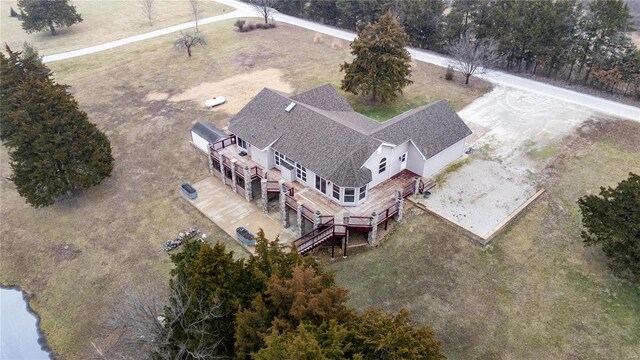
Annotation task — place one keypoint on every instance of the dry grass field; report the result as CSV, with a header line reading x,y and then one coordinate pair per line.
x,y
103,21
536,292
77,256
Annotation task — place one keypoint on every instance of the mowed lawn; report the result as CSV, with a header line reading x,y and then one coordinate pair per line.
x,y
77,256
536,292
102,21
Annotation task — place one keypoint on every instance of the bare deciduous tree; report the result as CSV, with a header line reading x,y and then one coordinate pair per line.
x,y
148,321
187,40
137,319
473,56
195,11
148,7
264,7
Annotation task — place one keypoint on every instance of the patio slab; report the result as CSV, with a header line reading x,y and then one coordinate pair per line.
x,y
229,211
480,196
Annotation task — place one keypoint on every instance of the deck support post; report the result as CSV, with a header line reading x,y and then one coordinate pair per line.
x,y
416,184
234,177
344,219
210,160
333,245
317,220
283,204
300,220
248,188
344,246
372,237
400,213
265,195
222,172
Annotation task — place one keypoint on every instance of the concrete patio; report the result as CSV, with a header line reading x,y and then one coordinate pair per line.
x,y
229,211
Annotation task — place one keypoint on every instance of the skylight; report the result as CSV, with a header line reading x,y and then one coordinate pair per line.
x,y
290,107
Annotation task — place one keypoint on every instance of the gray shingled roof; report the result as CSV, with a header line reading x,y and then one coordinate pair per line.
x,y
432,128
328,148
325,135
324,97
208,132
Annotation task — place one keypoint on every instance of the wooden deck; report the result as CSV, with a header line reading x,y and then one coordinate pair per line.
x,y
378,198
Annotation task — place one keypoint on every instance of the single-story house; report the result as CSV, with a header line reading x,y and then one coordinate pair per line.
x,y
204,134
317,139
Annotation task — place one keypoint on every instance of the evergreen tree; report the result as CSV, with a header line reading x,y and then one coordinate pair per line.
x,y
604,23
15,69
40,15
282,305
305,296
612,220
459,20
54,149
208,277
424,22
379,335
329,341
381,67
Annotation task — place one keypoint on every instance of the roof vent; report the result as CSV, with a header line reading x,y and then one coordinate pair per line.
x,y
290,107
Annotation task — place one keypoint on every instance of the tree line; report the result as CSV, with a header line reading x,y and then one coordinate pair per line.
x,y
564,39
275,305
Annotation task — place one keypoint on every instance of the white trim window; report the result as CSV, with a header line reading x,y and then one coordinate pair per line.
x,y
349,195
363,193
279,158
321,184
383,165
241,143
336,192
301,172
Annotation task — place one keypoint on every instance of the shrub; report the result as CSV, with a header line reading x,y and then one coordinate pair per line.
x,y
449,74
244,27
240,24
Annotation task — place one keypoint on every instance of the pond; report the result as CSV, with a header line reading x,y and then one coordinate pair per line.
x,y
19,333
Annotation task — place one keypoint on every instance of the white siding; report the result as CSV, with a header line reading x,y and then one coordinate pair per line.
x,y
264,158
200,142
373,164
443,158
416,161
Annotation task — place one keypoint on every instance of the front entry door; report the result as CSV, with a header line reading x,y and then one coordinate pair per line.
x,y
403,161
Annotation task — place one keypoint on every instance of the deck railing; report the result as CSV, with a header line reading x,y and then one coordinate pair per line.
x,y
315,238
326,219
408,189
238,169
308,213
387,213
359,222
290,202
273,187
255,171
221,144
